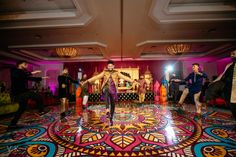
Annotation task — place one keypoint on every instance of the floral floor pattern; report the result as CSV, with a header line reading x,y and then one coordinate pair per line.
x,y
138,130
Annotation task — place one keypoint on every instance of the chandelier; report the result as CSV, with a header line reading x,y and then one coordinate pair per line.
x,y
67,52
178,49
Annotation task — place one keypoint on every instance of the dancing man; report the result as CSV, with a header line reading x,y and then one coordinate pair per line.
x,y
109,87
20,92
194,81
64,81
225,86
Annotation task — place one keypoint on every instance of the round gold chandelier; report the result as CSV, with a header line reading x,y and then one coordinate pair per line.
x,y
67,52
178,49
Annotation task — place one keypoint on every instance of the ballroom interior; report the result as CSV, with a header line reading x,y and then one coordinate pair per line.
x,y
153,39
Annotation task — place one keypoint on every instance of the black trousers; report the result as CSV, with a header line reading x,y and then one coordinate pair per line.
x,y
214,90
22,99
232,107
174,91
217,90
110,102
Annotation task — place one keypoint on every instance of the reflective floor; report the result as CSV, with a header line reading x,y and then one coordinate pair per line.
x,y
138,130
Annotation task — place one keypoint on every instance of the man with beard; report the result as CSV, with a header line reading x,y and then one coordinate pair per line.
x,y
109,87
225,86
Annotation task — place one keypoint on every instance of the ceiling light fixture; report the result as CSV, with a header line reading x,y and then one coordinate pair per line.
x,y
67,52
37,36
178,49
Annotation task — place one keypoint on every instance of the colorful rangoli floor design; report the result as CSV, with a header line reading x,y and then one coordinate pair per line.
x,y
138,130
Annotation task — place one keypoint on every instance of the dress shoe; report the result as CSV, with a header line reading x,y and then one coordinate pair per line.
x,y
44,112
63,120
180,110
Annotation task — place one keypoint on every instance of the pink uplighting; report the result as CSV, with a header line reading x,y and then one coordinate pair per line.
x,y
53,87
222,63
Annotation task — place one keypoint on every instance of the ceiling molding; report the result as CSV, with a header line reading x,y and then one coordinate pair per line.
x,y
76,59
148,42
37,15
165,57
176,58
77,16
219,49
160,57
27,54
200,7
162,11
39,57
215,51
91,43
24,50
60,23
16,57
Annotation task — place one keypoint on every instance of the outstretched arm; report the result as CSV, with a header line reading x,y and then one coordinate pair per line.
x,y
127,78
37,78
221,75
36,72
99,76
30,78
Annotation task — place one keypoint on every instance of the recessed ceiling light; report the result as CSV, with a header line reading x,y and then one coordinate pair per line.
x,y
211,30
37,36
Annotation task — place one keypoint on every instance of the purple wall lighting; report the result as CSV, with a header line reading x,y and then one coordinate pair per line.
x,y
53,87
52,80
221,64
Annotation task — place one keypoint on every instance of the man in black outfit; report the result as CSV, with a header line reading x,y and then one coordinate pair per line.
x,y
20,92
225,86
64,81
